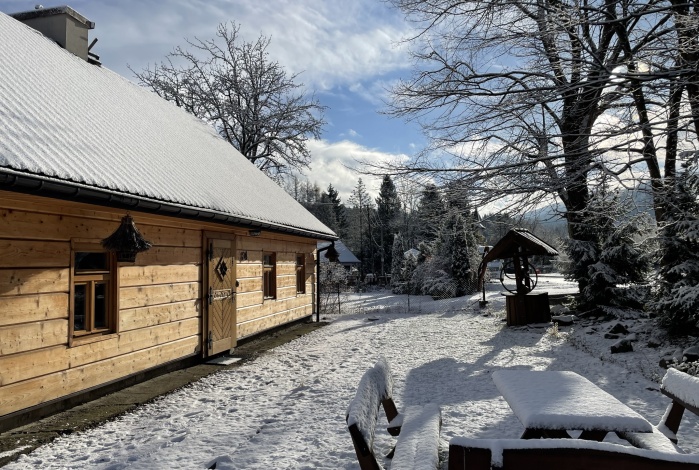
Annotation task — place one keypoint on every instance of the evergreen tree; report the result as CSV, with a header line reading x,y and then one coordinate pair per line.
x,y
361,238
677,303
387,211
340,212
430,213
456,198
612,260
461,268
623,263
397,261
323,211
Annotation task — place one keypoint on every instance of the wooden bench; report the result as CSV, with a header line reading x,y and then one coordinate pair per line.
x,y
417,427
683,389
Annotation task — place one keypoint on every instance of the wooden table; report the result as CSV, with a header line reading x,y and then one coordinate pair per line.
x,y
551,403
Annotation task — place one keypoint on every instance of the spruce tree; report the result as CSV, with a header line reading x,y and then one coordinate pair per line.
x,y
430,214
397,251
387,209
340,212
361,227
612,261
677,303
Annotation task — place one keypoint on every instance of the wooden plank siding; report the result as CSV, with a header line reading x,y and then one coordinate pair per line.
x,y
256,314
161,302
42,389
260,324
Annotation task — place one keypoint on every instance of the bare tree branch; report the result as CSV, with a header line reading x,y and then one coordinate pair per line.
x,y
250,100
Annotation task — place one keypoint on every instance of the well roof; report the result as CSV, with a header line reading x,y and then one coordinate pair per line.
x,y
519,241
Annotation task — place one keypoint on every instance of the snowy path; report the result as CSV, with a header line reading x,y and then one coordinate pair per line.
x,y
286,408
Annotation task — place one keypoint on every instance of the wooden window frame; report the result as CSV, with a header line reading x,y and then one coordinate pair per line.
x,y
269,276
300,273
91,278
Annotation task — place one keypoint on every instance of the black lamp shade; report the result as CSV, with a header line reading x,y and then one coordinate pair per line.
x,y
126,241
332,255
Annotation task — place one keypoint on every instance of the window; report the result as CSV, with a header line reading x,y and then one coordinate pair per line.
x,y
93,292
300,273
269,276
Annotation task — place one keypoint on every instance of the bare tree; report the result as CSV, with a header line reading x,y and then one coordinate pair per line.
x,y
250,99
533,98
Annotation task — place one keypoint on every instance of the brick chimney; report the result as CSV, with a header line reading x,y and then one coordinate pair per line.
x,y
62,24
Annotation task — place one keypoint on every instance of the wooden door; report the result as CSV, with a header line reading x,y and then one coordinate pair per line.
x,y
220,333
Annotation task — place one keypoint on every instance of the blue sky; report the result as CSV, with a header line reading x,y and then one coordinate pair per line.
x,y
347,51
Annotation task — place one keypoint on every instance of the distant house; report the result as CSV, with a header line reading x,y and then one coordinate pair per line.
x,y
345,257
231,255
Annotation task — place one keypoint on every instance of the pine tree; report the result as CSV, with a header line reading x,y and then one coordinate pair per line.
x,y
397,262
677,303
456,198
362,227
340,212
461,268
430,214
387,210
323,211
612,260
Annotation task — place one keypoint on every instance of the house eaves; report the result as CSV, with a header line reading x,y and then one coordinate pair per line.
x,y
73,130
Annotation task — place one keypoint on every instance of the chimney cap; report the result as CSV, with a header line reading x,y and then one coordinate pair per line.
x,y
51,11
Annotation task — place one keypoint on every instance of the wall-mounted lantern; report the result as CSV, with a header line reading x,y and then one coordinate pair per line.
x,y
333,256
126,241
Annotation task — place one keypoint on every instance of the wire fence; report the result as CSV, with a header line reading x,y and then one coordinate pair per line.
x,y
341,294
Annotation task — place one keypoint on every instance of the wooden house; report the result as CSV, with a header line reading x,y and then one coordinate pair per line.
x,y
231,254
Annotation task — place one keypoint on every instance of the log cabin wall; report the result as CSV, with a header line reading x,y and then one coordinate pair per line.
x,y
257,313
160,299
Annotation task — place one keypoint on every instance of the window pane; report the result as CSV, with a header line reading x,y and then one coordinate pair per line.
x,y
79,304
267,260
300,273
91,261
300,282
101,305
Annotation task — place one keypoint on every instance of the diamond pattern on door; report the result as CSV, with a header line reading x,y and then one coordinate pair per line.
x,y
221,268
221,297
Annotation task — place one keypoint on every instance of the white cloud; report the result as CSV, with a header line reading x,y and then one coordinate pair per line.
x,y
377,92
331,42
336,164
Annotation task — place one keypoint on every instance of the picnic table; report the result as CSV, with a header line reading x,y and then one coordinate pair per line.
x,y
551,403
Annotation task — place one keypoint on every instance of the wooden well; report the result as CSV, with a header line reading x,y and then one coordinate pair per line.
x,y
523,309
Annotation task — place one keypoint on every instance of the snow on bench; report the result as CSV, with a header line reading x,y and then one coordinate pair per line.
x,y
417,428
684,391
418,442
555,454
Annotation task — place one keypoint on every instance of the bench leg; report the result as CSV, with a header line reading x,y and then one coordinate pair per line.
x,y
674,416
593,435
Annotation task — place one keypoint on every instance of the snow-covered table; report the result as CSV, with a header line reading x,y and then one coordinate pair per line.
x,y
550,403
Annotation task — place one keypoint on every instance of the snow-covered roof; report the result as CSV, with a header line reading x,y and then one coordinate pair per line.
x,y
519,241
345,256
66,122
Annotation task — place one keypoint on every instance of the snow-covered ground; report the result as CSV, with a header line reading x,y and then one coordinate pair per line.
x,y
286,409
